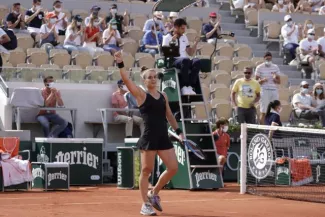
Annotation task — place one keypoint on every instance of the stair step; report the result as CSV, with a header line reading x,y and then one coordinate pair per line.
x,y
241,32
248,40
232,26
292,74
258,47
297,81
275,54
193,134
287,68
205,166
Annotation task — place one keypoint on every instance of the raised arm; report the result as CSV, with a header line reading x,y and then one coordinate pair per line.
x,y
136,91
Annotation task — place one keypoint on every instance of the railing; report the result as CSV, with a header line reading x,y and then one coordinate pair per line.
x,y
4,87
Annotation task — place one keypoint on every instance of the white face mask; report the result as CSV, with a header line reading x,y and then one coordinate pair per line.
x,y
311,37
125,88
280,2
304,90
15,12
53,20
309,26
51,85
37,7
58,9
114,27
289,23
225,129
113,11
268,63
78,23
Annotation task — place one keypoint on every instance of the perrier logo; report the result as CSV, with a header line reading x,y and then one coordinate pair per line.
x,y
169,83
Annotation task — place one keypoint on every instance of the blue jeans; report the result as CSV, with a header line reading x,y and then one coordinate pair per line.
x,y
291,47
59,124
70,48
153,52
189,71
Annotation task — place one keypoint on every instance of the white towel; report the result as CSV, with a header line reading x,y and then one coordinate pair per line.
x,y
15,171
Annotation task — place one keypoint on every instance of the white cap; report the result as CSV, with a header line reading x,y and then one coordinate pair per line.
x,y
173,14
158,14
311,31
287,17
303,83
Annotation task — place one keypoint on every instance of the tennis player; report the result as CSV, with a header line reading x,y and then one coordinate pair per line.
x,y
154,108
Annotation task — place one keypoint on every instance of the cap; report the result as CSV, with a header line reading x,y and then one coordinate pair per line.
x,y
311,31
173,14
303,83
287,17
50,15
77,17
55,2
119,82
95,8
213,14
113,6
158,14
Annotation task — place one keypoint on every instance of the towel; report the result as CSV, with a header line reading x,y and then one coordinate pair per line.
x,y
16,171
301,173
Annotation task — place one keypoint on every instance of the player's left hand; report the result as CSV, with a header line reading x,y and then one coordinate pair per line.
x,y
181,137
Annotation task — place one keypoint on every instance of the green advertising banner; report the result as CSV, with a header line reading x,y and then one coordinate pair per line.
x,y
206,178
83,155
232,164
38,172
169,85
57,177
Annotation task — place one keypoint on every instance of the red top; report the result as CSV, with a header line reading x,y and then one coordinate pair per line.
x,y
91,31
46,93
223,143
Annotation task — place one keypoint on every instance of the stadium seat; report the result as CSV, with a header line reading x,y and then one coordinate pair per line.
x,y
27,72
61,59
205,78
225,50
83,60
25,42
242,50
104,60
321,71
191,34
214,86
145,59
223,63
130,47
97,73
223,110
135,34
194,23
205,48
236,75
38,58
221,93
241,62
284,80
16,57
257,61
284,94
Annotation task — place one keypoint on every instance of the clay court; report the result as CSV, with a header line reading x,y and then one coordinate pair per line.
x,y
109,201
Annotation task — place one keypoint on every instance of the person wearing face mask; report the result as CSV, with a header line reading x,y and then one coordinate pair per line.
x,y
281,6
49,32
149,41
307,26
97,21
319,96
62,21
92,37
52,98
157,18
303,6
121,21
321,44
309,49
74,36
212,29
34,18
118,101
321,10
111,38
15,20
268,76
248,94
169,25
290,33
316,4
222,142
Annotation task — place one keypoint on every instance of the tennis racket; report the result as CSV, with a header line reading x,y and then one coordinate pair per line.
x,y
192,146
9,144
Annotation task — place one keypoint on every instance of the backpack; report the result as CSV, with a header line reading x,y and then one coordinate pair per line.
x,y
67,132
12,44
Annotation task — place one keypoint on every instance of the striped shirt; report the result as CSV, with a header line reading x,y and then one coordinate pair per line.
x,y
267,72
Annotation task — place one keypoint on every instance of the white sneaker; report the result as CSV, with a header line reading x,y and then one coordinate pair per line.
x,y
185,91
191,91
147,210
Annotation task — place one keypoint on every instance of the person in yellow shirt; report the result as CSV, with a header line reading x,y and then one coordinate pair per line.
x,y
248,94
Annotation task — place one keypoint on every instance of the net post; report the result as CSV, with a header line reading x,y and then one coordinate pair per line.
x,y
243,158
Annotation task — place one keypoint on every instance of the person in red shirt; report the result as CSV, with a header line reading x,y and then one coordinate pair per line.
x,y
92,37
222,141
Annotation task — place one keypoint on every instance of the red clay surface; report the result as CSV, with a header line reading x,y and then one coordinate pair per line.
x,y
108,201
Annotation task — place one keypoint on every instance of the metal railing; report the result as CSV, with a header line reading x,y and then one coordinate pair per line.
x,y
4,87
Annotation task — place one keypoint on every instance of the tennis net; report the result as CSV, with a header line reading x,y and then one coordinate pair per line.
x,y
283,162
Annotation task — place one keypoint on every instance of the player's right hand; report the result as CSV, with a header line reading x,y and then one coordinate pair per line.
x,y
118,57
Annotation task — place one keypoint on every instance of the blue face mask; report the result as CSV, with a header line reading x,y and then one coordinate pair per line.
x,y
319,91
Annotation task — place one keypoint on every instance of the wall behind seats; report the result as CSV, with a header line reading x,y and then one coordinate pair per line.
x,y
5,112
86,98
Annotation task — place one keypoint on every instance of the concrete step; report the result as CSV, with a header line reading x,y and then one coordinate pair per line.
x,y
297,81
278,61
275,54
292,74
228,19
232,26
287,68
240,32
248,40
258,47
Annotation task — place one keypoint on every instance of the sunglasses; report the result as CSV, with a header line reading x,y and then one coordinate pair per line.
x,y
311,34
247,73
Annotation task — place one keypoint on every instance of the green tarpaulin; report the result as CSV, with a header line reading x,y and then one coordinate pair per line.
x,y
172,5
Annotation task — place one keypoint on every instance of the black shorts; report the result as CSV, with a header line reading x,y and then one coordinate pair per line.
x,y
154,143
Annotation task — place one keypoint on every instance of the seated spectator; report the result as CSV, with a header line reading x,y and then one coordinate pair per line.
x,y
303,6
290,33
5,41
169,25
62,21
48,31
222,142
316,4
304,106
321,45
118,101
307,26
52,98
283,6
15,20
149,41
319,96
189,68
236,4
121,21
98,22
256,4
112,38
272,117
157,18
212,29
34,18
92,37
201,4
309,49
74,36
322,11
248,94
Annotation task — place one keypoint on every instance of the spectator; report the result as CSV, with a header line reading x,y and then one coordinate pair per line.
x,y
15,20
222,142
322,11
52,98
212,29
256,4
62,21
316,5
5,41
169,25
189,69
201,4
149,40
321,45
290,33
248,94
303,6
307,26
304,106
118,101
283,6
121,21
34,18
112,38
74,36
98,22
272,116
268,76
92,37
157,18
309,49
49,32
318,96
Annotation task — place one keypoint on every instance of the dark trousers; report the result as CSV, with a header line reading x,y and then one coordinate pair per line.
x,y
189,71
291,47
246,115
